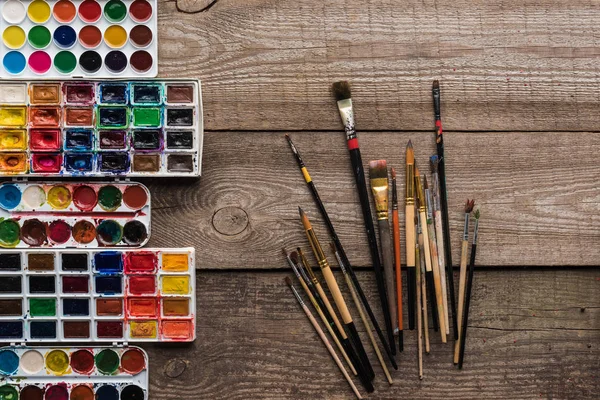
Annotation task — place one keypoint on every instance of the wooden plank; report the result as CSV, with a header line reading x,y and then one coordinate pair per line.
x,y
533,334
269,65
539,197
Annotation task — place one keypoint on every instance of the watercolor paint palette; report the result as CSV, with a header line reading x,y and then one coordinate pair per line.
x,y
55,373
97,296
61,214
101,128
78,38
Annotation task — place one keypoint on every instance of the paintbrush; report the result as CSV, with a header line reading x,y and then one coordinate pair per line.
x,y
378,175
465,316
439,235
434,260
329,324
423,287
364,368
419,314
439,140
319,294
426,253
410,234
363,318
463,273
398,266
338,244
341,91
315,324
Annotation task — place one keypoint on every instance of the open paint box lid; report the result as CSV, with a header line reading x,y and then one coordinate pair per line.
x,y
59,39
96,128
59,373
65,214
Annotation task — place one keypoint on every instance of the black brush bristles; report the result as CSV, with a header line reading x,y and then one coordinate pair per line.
x,y
341,90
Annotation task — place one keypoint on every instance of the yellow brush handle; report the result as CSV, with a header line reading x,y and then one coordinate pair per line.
x,y
461,295
410,234
427,254
329,308
336,294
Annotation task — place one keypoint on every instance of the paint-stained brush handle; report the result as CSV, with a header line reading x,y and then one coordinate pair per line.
x,y
388,268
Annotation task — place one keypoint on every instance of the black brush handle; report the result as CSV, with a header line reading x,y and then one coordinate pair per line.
x,y
346,262
432,300
401,340
355,360
446,227
361,185
360,350
465,316
411,284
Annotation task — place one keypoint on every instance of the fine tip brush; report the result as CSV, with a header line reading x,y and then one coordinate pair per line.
x,y
343,96
397,264
321,334
410,234
463,274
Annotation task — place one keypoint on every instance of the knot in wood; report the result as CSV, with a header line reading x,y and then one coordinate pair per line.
x,y
175,368
230,221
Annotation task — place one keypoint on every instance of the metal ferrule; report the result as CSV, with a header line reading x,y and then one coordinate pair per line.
x,y
297,296
435,190
428,204
419,230
379,187
410,184
436,103
308,269
316,246
347,115
420,194
466,228
476,231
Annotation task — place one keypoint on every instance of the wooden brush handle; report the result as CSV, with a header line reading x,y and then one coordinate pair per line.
x,y
331,311
388,269
437,281
398,267
419,324
410,235
440,246
427,253
334,289
461,295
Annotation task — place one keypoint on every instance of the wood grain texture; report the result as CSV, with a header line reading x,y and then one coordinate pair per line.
x,y
532,334
538,193
504,65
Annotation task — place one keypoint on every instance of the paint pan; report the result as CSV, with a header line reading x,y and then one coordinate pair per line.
x,y
76,295
74,38
56,373
101,128
63,214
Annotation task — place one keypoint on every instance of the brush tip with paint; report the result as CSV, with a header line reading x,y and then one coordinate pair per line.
x,y
288,281
393,173
378,169
410,153
294,257
433,163
341,90
469,206
436,84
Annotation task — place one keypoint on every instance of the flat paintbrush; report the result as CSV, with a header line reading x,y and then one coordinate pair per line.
x,y
463,274
329,324
426,249
465,316
378,175
338,245
363,317
397,265
321,334
341,90
364,368
422,282
410,234
439,140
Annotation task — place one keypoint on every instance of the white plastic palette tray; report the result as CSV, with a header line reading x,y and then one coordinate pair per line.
x,y
62,373
77,24
145,295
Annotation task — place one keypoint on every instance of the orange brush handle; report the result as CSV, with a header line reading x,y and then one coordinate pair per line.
x,y
396,233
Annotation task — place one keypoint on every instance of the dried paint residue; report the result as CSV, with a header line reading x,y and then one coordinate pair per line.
x,y
172,284
177,329
143,329
175,262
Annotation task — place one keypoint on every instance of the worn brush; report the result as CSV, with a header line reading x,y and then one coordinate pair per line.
x,y
363,318
292,260
422,283
463,274
378,175
397,265
364,368
439,235
411,282
439,140
341,91
340,248
465,316
434,260
321,334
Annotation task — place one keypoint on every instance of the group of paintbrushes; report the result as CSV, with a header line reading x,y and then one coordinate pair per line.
x,y
428,259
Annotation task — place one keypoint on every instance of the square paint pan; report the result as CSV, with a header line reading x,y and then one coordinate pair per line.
x,y
78,38
64,214
115,296
96,128
38,373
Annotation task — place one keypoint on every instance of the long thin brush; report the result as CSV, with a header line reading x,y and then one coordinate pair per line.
x,y
292,261
409,212
463,274
421,261
341,91
321,334
398,266
465,316
363,318
439,140
419,313
338,245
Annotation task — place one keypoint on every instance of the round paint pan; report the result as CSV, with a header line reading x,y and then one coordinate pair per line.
x,y
90,37
64,11
141,61
85,198
13,12
82,361
89,11
141,36
140,11
133,361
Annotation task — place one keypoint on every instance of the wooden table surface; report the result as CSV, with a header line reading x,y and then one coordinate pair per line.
x,y
520,97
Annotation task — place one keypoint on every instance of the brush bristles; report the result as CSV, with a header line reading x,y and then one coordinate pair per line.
x,y
469,206
410,153
433,162
378,169
425,185
332,247
294,257
288,281
341,90
417,171
285,254
436,84
477,214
